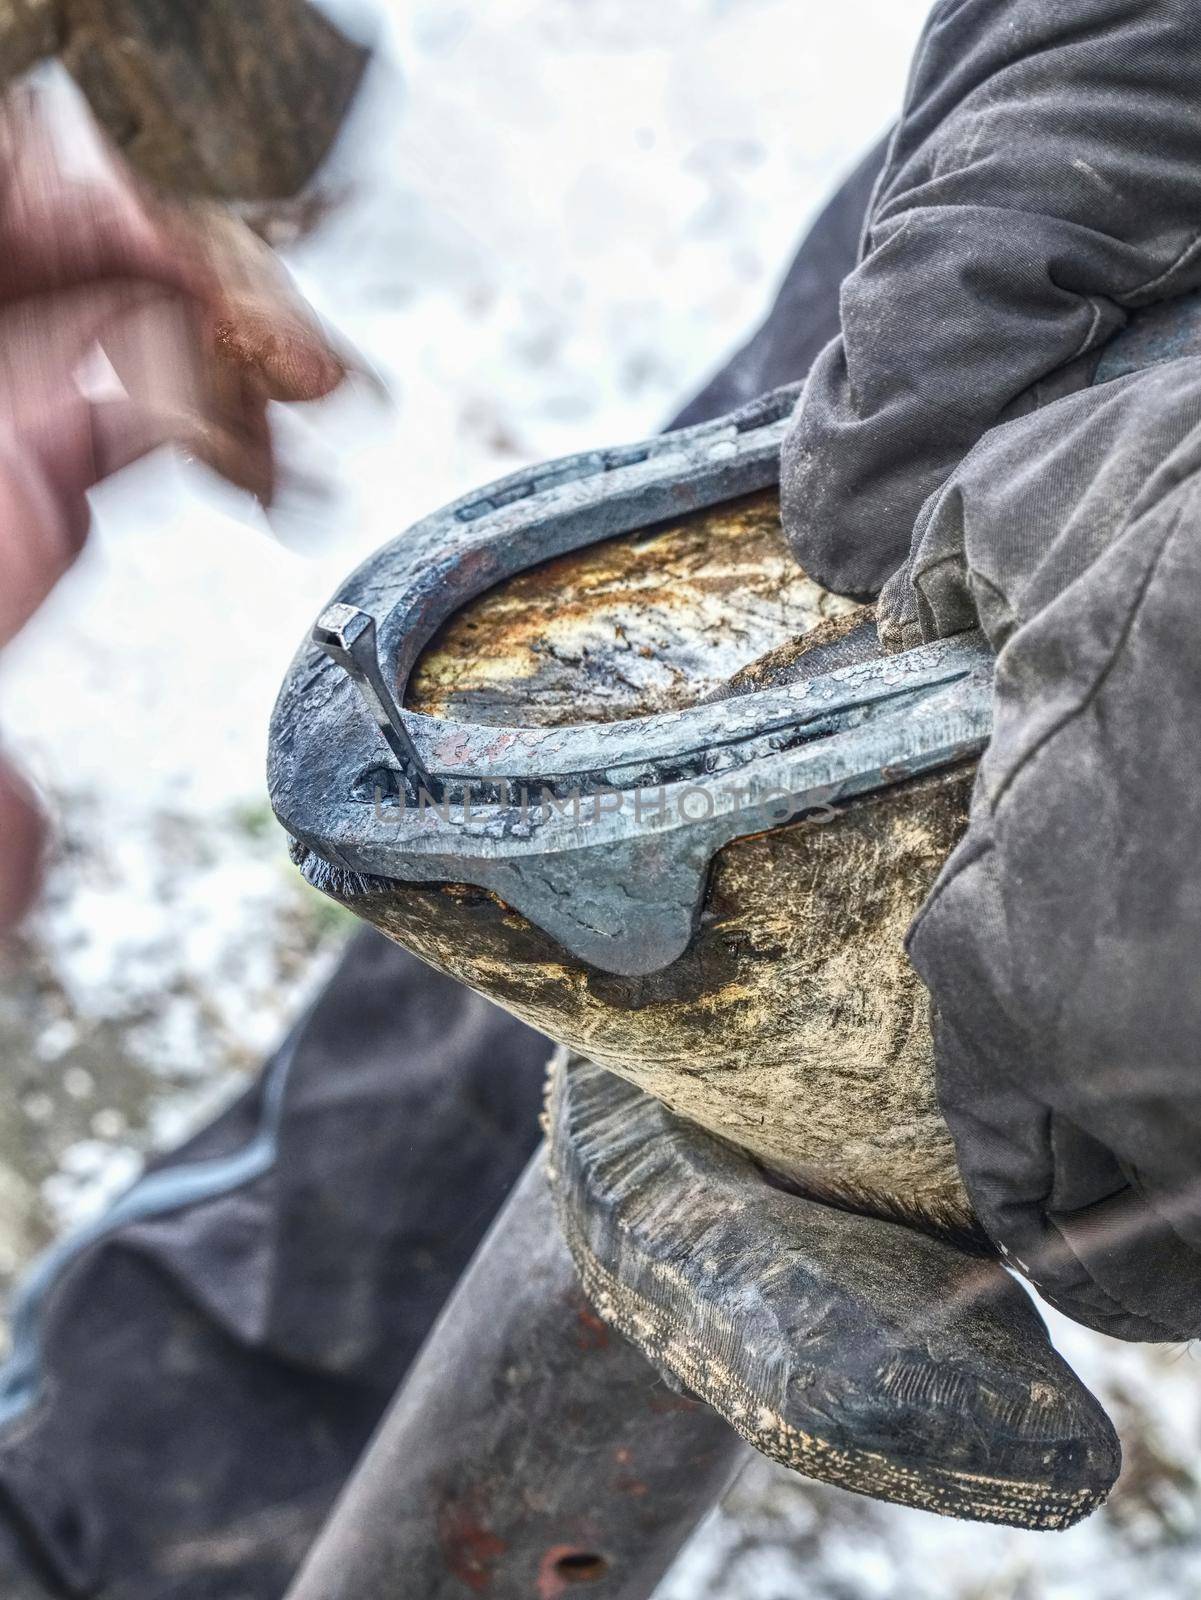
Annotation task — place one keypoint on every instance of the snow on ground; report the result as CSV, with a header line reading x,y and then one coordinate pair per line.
x,y
555,218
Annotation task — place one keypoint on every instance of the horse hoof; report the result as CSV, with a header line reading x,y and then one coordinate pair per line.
x,y
852,1349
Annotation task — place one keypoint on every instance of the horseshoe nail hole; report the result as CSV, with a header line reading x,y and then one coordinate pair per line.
x,y
581,1566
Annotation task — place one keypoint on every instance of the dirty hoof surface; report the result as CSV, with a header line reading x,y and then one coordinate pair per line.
x,y
852,1349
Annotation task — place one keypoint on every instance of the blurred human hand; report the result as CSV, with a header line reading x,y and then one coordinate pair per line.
x,y
125,324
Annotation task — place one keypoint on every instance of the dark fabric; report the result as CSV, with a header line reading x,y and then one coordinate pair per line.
x,y
1061,941
1044,180
212,1375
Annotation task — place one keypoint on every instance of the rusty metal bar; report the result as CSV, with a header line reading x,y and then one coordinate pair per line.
x,y
531,1453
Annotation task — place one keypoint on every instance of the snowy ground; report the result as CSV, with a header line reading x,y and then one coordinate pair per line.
x,y
556,216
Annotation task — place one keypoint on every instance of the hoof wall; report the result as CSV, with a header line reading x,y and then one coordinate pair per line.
x,y
852,1349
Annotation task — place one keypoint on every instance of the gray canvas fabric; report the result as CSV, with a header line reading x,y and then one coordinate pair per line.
x,y
1061,941
1045,179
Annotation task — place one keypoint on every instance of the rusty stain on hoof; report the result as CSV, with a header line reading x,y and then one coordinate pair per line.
x,y
847,1347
